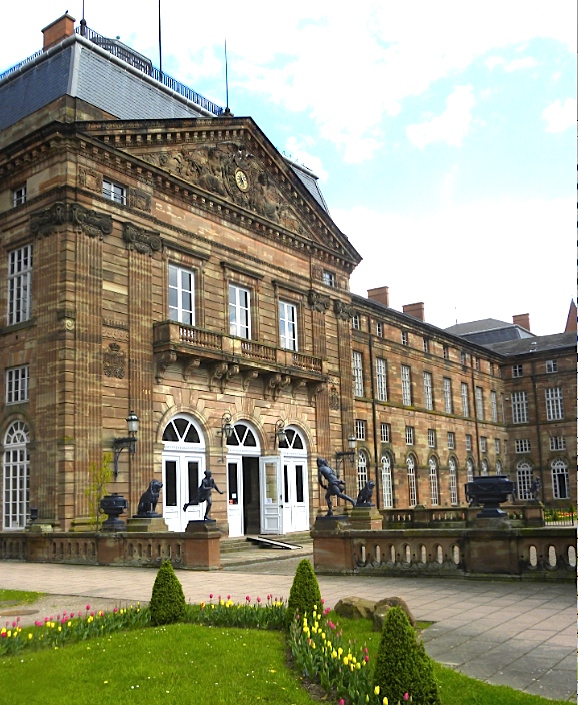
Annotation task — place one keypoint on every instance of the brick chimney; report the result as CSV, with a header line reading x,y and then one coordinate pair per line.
x,y
381,295
58,30
522,319
415,310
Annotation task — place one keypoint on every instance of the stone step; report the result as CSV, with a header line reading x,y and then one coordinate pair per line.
x,y
240,543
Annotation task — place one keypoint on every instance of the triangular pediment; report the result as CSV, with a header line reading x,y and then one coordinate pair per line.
x,y
236,165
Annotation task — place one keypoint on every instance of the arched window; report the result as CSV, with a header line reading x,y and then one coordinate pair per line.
x,y
411,479
499,467
525,478
387,481
181,430
469,470
293,440
242,436
361,470
560,480
16,476
484,466
453,481
433,482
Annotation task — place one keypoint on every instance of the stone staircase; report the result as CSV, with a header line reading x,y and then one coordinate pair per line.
x,y
239,550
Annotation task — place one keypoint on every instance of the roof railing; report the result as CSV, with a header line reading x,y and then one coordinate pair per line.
x,y
136,60
140,62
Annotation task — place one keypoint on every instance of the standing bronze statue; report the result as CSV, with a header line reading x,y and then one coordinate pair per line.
x,y
204,494
334,486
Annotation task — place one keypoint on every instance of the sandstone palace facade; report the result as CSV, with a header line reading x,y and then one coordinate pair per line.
x,y
159,256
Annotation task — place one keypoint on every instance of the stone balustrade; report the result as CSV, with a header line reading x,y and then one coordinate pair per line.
x,y
488,548
197,548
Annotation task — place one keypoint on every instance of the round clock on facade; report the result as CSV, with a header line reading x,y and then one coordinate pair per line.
x,y
241,180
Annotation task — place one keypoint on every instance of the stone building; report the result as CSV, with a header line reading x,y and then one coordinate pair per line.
x,y
161,257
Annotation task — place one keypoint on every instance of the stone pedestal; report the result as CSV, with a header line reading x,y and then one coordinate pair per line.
x,y
331,545
534,514
155,524
202,545
368,518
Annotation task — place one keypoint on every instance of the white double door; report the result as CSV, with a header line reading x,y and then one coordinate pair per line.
x,y
182,475
284,494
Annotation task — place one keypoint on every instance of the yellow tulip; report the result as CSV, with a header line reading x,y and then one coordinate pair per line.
x,y
376,690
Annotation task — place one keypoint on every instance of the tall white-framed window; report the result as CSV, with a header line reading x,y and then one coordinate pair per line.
x,y
517,370
477,363
557,443
406,385
404,337
16,471
426,345
522,445
465,400
484,466
19,285
497,446
357,363
387,481
483,444
431,438
446,352
519,407
494,405
385,432
525,477
448,403
468,442
379,329
17,384
360,430
453,473
554,404
551,366
433,482
361,469
19,195
499,469
480,403
409,435
356,322
469,470
560,480
181,295
288,325
463,358
381,378
113,191
411,480
451,440
239,311
428,390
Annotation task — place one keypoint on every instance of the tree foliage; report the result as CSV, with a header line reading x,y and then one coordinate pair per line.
x,y
305,594
167,603
98,478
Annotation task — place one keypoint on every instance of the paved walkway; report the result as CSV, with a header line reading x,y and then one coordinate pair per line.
x,y
521,634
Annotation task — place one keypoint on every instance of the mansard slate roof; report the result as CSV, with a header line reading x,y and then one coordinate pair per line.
x,y
542,343
488,331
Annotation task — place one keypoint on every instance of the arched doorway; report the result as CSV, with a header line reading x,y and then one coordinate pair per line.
x,y
243,491
295,489
16,476
183,462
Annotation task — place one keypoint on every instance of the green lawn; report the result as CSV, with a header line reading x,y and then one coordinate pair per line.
x,y
19,597
187,663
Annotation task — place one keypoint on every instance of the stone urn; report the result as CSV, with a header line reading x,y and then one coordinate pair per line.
x,y
113,505
489,491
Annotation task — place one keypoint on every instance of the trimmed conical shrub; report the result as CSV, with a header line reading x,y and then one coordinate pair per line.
x,y
402,665
167,603
305,594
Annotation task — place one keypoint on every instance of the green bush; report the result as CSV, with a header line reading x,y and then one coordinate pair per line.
x,y
305,594
167,603
402,665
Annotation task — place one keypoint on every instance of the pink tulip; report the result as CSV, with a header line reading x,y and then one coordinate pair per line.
x,y
248,598
211,596
87,607
258,599
406,696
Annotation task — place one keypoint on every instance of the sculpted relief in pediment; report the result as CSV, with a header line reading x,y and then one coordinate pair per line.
x,y
228,170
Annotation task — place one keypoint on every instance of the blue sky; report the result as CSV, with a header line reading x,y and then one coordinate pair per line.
x,y
442,132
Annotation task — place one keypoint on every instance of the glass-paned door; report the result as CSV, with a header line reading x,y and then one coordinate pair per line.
x,y
271,485
295,509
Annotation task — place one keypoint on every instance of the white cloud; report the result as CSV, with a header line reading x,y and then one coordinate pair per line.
x,y
517,64
493,61
560,116
296,148
451,126
467,262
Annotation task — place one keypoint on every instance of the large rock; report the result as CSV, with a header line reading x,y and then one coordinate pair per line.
x,y
355,608
383,606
